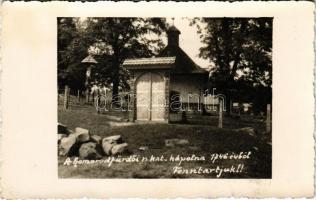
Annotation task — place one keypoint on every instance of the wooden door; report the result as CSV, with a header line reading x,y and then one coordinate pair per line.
x,y
150,97
143,87
157,98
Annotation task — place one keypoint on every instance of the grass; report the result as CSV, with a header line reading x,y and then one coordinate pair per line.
x,y
203,140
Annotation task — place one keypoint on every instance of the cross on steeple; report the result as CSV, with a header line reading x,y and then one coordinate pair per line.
x,y
172,21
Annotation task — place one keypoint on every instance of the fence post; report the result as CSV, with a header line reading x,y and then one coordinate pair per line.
x,y
220,114
78,96
268,121
69,97
66,97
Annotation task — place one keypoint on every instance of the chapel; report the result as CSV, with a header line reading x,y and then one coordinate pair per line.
x,y
169,84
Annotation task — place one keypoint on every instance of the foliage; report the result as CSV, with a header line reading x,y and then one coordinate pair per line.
x,y
240,50
110,41
72,49
116,39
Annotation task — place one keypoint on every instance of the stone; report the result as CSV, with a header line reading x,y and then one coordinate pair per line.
x,y
176,142
81,130
107,147
143,148
182,142
109,142
83,138
249,130
62,129
66,143
61,136
114,138
88,151
96,138
82,135
119,149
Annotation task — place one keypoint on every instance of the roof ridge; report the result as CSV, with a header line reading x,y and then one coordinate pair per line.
x,y
150,61
163,57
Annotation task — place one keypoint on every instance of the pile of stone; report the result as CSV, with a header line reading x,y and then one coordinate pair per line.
x,y
88,146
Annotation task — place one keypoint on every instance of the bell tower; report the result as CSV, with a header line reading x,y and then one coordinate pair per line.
x,y
173,36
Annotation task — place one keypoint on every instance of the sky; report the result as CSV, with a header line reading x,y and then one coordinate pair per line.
x,y
189,40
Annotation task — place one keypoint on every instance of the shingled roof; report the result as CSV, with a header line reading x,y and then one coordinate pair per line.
x,y
183,63
171,54
150,63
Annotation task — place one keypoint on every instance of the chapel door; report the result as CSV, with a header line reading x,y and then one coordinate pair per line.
x,y
150,97
143,97
157,98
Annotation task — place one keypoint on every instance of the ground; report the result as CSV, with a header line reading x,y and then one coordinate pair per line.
x,y
204,141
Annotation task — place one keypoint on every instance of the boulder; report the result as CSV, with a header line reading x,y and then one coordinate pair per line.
x,y
88,151
119,149
249,130
81,130
107,147
62,129
96,138
182,142
61,136
109,142
114,138
82,135
83,138
66,143
143,148
176,142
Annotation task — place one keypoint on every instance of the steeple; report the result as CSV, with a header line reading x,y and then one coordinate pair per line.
x,y
173,36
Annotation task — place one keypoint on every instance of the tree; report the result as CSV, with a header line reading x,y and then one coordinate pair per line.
x,y
240,50
73,44
121,38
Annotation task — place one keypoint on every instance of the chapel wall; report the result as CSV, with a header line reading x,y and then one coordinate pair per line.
x,y
187,85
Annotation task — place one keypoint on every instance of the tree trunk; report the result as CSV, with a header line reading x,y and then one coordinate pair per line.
x,y
115,88
116,81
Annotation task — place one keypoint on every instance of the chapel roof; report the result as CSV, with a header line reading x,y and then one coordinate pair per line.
x,y
172,53
149,63
183,63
